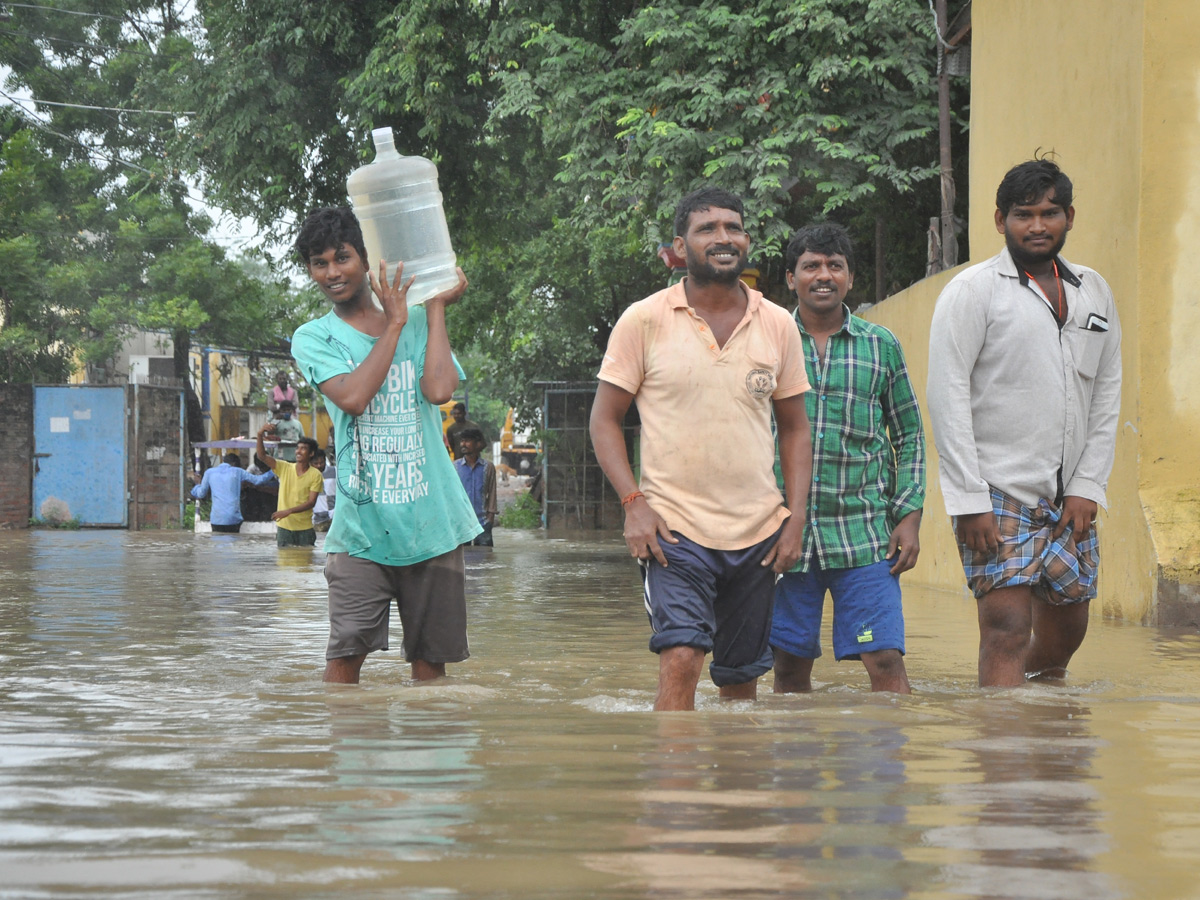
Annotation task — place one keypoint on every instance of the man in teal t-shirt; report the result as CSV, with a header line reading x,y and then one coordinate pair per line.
x,y
402,513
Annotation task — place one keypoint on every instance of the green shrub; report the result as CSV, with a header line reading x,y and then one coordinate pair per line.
x,y
190,510
525,512
65,525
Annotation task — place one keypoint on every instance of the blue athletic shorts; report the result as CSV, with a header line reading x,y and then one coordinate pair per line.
x,y
718,601
867,615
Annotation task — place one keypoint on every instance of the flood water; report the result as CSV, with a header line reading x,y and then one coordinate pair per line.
x,y
164,733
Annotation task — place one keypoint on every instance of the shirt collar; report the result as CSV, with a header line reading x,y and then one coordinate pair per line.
x,y
677,296
850,323
1008,266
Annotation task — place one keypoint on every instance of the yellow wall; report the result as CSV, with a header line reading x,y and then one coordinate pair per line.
x,y
1168,271
907,315
1113,89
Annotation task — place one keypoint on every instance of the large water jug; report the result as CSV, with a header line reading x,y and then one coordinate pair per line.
x,y
399,206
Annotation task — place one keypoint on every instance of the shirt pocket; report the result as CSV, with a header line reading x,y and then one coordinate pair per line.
x,y
759,372
760,378
1086,350
857,388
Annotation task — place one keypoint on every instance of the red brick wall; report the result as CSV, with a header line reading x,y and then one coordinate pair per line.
x,y
16,455
154,473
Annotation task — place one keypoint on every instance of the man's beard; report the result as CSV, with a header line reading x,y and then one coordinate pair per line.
x,y
702,272
1025,258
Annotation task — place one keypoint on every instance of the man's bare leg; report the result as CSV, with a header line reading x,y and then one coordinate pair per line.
x,y
1005,623
427,671
344,669
678,674
747,690
1057,633
793,674
886,668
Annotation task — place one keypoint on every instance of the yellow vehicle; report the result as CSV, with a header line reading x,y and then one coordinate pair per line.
x,y
517,451
447,421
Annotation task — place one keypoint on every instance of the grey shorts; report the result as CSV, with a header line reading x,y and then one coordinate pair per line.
x,y
431,597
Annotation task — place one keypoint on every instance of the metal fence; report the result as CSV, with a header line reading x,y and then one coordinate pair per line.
x,y
576,495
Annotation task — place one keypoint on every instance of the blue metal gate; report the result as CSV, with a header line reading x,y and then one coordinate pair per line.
x,y
79,454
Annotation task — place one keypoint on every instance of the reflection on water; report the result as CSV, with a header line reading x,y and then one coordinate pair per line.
x,y
164,733
1035,825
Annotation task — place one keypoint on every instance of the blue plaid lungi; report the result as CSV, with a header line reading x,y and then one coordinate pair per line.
x,y
1062,571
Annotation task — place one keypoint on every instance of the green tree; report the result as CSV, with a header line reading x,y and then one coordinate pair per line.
x,y
565,132
808,109
38,238
107,231
544,295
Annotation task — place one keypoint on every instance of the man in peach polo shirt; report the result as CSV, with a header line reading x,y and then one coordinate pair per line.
x,y
708,360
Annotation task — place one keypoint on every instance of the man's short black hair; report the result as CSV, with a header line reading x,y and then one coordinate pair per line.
x,y
286,403
318,453
459,405
328,229
233,459
311,444
471,434
1029,181
826,238
705,198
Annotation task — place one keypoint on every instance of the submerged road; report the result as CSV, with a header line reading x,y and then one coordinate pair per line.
x,y
164,733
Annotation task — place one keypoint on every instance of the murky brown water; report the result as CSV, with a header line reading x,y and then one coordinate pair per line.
x,y
164,733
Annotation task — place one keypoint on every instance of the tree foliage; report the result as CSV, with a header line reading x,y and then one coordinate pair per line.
x,y
804,108
39,334
92,204
271,128
564,131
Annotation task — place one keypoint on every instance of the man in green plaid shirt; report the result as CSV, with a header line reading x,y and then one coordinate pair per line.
x,y
868,487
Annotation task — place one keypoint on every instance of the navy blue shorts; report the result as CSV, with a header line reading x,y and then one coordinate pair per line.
x,y
718,601
867,615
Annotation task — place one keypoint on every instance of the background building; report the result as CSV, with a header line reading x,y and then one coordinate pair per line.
x,y
1113,90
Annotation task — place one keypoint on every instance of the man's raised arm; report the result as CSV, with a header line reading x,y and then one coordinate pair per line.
x,y
261,448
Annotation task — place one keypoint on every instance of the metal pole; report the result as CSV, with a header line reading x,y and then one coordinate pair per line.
x,y
183,477
949,258
134,492
880,264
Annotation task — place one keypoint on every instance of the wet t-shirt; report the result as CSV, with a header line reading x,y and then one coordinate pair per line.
x,y
399,500
294,490
707,448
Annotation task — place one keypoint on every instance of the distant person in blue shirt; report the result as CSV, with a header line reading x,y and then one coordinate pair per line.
x,y
224,483
478,477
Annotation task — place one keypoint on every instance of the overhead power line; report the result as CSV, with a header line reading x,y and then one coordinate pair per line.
x,y
32,118
69,12
156,112
116,160
94,48
240,241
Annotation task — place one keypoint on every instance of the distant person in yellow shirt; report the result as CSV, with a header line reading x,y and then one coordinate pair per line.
x,y
300,483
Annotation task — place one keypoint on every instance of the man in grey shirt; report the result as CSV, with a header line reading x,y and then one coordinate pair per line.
x,y
1024,396
288,431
